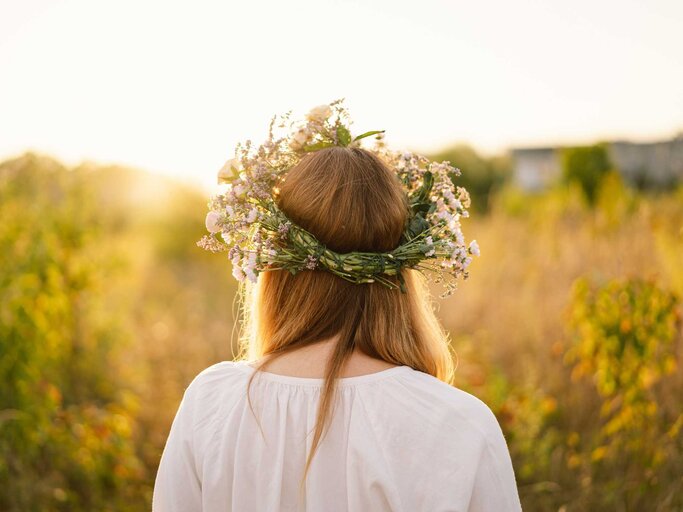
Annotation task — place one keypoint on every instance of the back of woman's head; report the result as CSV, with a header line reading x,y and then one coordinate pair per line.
x,y
350,201
348,198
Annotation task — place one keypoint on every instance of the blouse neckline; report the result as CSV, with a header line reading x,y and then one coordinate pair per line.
x,y
318,382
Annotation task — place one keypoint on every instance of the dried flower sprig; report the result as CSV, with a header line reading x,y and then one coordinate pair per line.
x,y
246,222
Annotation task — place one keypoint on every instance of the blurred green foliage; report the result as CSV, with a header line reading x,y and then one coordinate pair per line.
x,y
625,335
67,423
100,329
481,176
587,166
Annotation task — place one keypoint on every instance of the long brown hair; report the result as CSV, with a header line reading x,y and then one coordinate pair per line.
x,y
351,201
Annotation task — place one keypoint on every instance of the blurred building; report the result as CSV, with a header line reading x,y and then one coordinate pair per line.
x,y
651,164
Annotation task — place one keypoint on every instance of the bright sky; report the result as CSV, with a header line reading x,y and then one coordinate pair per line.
x,y
172,86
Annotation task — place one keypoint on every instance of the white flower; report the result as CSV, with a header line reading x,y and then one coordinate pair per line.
x,y
237,273
239,190
268,253
251,276
250,267
236,268
299,138
430,243
228,170
456,254
252,215
319,113
211,222
474,248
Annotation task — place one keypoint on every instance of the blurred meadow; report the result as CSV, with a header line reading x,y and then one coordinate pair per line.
x,y
114,118
569,328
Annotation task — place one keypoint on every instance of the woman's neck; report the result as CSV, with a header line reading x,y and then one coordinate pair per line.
x,y
311,361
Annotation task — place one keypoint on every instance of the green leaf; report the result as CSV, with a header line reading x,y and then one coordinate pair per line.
x,y
421,196
422,207
235,173
402,282
343,135
226,179
368,134
417,225
317,146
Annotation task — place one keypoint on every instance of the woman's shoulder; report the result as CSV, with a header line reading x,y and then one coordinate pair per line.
x,y
424,397
451,405
214,379
217,370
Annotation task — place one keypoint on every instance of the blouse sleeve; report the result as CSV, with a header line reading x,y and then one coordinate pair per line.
x,y
495,488
177,486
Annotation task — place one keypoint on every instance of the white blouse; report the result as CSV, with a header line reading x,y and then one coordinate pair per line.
x,y
400,440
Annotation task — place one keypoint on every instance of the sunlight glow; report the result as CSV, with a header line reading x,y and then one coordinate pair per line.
x,y
172,86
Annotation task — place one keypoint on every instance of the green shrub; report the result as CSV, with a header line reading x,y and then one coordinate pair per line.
x,y
586,166
625,337
66,424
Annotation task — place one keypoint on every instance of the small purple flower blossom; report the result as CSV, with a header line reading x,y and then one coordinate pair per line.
x,y
311,262
283,229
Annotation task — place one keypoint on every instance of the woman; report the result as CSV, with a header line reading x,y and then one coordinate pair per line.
x,y
341,400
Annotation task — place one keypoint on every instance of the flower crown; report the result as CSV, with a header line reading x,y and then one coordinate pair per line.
x,y
246,222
